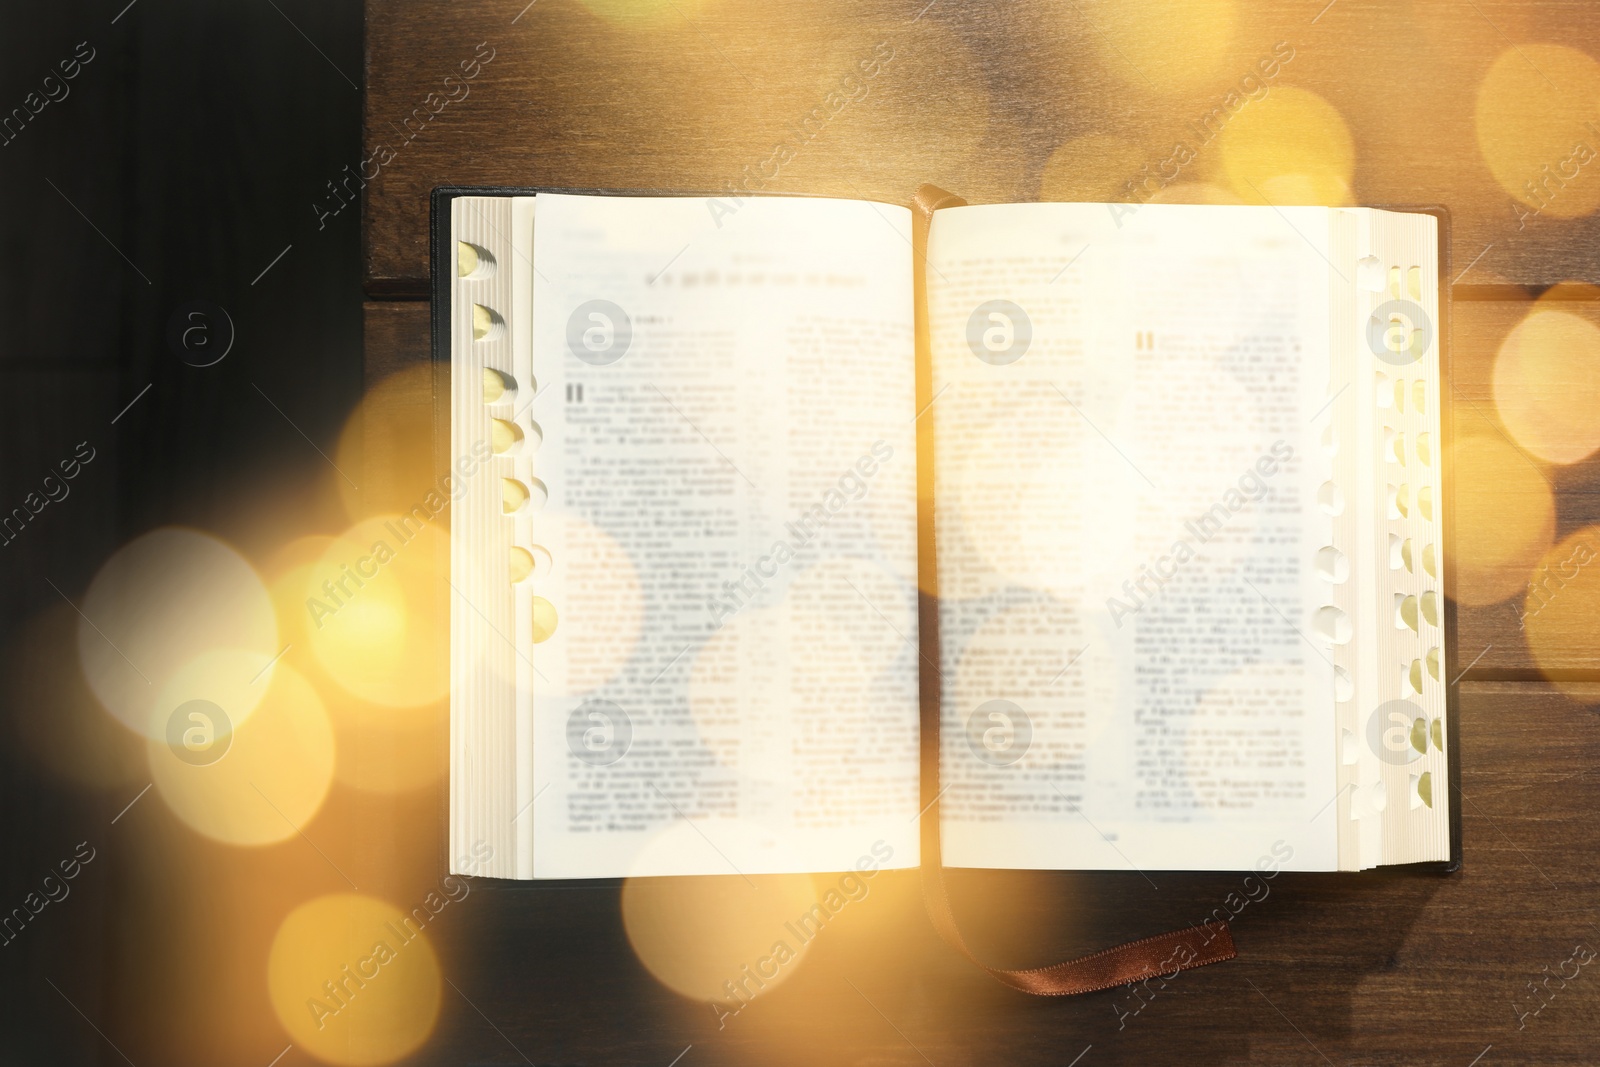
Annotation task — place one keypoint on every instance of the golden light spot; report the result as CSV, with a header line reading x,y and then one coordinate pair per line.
x,y
1533,114
380,749
1505,519
1547,384
353,980
1161,47
233,679
386,448
1292,147
159,602
388,750
270,780
289,571
1095,167
1561,605
709,938
378,602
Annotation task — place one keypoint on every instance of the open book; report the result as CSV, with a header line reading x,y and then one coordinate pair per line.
x,y
1182,512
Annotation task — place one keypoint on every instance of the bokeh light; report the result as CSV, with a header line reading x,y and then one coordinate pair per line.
x,y
377,609
158,605
1533,111
1560,608
1291,147
1505,518
380,749
1547,383
270,779
1163,47
699,936
388,443
354,980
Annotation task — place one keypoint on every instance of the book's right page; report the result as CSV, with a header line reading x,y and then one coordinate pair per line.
x,y
1132,420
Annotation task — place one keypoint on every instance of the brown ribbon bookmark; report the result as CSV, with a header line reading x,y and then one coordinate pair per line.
x,y
1164,954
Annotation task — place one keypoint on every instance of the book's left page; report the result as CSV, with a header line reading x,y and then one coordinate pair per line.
x,y
684,634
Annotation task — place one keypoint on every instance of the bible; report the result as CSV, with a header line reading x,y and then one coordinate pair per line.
x,y
1096,536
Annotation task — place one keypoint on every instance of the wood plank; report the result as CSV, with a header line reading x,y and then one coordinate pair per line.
x,y
395,337
1013,102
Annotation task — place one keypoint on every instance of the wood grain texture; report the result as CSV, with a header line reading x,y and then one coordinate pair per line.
x,y
395,337
981,98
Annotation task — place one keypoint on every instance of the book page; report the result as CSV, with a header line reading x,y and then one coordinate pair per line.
x,y
1129,415
725,401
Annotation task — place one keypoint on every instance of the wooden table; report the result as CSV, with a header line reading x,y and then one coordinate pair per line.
x,y
1027,101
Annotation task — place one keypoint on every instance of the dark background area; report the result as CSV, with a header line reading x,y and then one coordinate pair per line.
x,y
185,156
